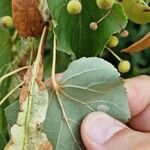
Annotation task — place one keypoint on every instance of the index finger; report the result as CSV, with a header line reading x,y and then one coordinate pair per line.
x,y
138,90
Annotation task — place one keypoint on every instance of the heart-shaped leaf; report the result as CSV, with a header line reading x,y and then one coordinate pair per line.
x,y
89,84
2,141
73,32
5,53
5,7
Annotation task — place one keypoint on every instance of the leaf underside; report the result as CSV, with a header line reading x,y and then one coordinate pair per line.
x,y
89,84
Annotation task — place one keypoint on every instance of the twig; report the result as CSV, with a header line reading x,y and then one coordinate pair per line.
x,y
54,83
114,54
10,93
12,73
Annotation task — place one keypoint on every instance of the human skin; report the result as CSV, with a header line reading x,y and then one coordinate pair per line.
x,y
102,132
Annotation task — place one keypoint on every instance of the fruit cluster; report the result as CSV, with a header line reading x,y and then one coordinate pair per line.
x,y
124,65
74,7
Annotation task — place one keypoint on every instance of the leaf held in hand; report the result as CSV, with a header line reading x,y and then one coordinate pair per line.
x,y
140,45
27,18
87,84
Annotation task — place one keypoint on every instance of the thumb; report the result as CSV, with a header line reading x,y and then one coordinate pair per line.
x,y
99,131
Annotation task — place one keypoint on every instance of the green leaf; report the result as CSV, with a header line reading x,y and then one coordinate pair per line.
x,y
4,88
3,141
11,113
73,32
5,7
5,53
1,119
139,17
147,1
89,84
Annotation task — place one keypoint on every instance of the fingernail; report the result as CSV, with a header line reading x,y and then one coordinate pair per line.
x,y
100,127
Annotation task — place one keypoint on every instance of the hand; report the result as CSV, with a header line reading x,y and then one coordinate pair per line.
x,y
99,131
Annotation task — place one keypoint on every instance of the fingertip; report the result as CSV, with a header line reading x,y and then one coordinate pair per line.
x,y
99,131
98,128
138,93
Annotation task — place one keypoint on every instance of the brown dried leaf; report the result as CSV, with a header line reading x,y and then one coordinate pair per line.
x,y
45,146
24,92
139,45
27,18
40,76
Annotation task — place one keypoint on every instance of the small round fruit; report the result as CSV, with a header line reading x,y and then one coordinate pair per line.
x,y
113,42
74,7
93,26
7,22
124,66
105,4
124,33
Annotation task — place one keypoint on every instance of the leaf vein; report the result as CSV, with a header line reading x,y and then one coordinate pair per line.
x,y
77,101
77,74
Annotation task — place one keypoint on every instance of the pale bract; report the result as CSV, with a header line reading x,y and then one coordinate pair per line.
x,y
38,114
